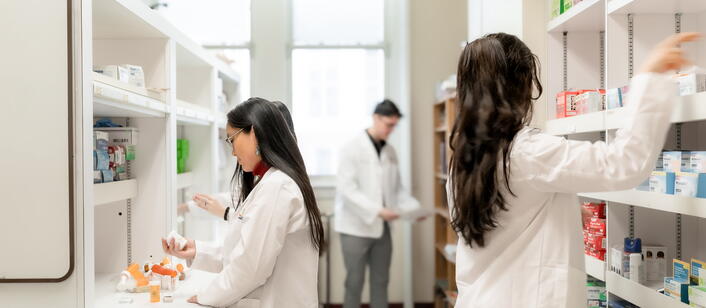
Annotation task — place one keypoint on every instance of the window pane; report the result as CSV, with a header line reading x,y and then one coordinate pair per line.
x,y
332,22
211,22
239,61
334,92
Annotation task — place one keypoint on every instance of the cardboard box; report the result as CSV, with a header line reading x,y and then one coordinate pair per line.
x,y
697,296
676,289
697,162
662,182
690,184
672,161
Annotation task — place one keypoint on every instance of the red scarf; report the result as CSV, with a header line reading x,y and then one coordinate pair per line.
x,y
261,169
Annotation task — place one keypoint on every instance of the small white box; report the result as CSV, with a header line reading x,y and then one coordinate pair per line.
x,y
686,184
697,162
691,83
126,136
655,262
118,72
136,76
672,161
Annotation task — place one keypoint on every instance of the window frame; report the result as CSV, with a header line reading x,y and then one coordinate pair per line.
x,y
329,181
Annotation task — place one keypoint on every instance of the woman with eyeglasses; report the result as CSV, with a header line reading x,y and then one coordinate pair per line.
x,y
217,204
271,252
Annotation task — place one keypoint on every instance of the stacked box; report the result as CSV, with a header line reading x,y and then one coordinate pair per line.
x,y
182,154
596,295
594,233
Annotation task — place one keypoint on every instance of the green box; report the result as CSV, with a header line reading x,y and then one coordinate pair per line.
x,y
182,148
181,165
566,5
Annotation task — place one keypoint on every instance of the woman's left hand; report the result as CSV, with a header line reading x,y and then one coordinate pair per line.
x,y
210,204
193,300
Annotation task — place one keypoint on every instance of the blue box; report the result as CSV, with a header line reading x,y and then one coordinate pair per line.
x,y
102,160
676,289
690,184
107,175
662,182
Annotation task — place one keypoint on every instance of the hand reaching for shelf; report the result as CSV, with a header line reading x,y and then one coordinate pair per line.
x,y
210,204
188,253
668,54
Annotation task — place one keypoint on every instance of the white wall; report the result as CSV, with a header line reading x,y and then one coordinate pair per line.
x,y
524,18
437,30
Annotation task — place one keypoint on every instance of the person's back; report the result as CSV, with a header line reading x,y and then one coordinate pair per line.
x,y
512,192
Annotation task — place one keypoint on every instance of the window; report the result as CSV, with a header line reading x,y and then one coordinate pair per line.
x,y
338,75
222,26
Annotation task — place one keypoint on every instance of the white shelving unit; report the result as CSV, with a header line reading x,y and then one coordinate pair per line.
x,y
104,193
657,201
179,101
641,295
599,44
596,268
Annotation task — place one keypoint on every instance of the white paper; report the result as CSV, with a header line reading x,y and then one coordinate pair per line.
x,y
416,214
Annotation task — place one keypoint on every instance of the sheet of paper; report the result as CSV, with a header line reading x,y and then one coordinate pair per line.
x,y
414,215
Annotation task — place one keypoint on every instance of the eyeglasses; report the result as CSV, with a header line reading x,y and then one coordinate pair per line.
x,y
230,138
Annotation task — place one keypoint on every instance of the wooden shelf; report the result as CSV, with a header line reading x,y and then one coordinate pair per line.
x,y
441,176
114,191
442,212
641,295
448,257
587,15
657,201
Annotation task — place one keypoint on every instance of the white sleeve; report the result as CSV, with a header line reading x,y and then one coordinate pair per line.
x,y
253,258
347,187
554,164
209,257
223,197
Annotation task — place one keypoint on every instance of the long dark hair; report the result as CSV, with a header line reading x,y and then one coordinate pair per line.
x,y
278,148
497,75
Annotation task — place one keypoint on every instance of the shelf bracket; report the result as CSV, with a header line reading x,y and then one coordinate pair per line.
x,y
128,209
678,137
602,55
631,58
565,47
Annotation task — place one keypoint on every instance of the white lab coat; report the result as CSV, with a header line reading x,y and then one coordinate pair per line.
x,y
267,258
535,258
364,181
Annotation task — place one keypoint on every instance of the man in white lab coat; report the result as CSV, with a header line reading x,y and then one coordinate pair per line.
x,y
369,196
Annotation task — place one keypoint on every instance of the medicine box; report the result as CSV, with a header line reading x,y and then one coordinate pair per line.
x,y
697,296
117,72
676,289
655,262
565,104
696,265
691,83
681,271
100,140
136,76
672,161
613,98
697,162
556,8
97,177
566,5
662,182
107,175
690,184
120,135
102,160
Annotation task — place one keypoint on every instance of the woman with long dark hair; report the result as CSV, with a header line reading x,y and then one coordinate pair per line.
x,y
512,191
271,252
216,204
